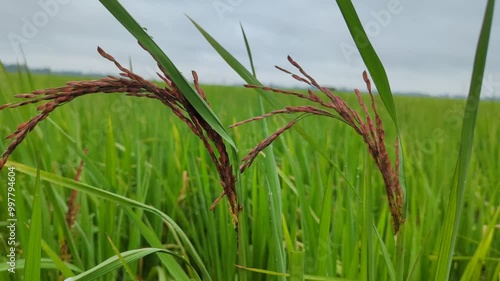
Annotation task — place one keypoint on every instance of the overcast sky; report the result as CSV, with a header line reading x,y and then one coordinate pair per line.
x,y
426,46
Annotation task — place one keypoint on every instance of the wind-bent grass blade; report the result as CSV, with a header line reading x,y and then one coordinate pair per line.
x,y
60,264
323,247
69,183
122,15
157,272
455,205
34,250
217,234
271,99
114,262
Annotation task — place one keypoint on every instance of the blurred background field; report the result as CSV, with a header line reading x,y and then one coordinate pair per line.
x,y
137,149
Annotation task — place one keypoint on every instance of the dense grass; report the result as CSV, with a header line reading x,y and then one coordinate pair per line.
x,y
137,149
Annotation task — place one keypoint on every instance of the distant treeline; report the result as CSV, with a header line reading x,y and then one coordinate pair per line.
x,y
17,67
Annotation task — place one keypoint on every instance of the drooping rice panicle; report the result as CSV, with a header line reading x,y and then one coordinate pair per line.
x,y
132,84
370,129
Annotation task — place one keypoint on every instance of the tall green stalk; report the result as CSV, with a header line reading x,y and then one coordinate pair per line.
x,y
449,231
273,186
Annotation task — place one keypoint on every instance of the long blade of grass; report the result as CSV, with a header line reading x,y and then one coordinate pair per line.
x,y
273,184
455,205
497,271
29,77
387,258
123,16
367,240
306,277
114,262
249,51
369,56
69,183
296,266
58,214
121,259
7,80
34,250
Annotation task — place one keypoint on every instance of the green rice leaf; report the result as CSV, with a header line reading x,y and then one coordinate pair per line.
x,y
121,259
273,186
369,56
367,240
114,263
232,61
455,205
306,277
475,266
122,15
379,76
151,237
385,254
45,263
34,250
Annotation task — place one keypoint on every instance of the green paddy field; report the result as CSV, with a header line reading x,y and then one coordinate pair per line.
x,y
334,222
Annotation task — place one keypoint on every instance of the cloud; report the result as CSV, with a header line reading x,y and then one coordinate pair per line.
x,y
425,46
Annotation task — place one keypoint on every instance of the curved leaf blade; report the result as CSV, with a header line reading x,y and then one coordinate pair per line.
x,y
454,210
122,15
69,183
115,262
